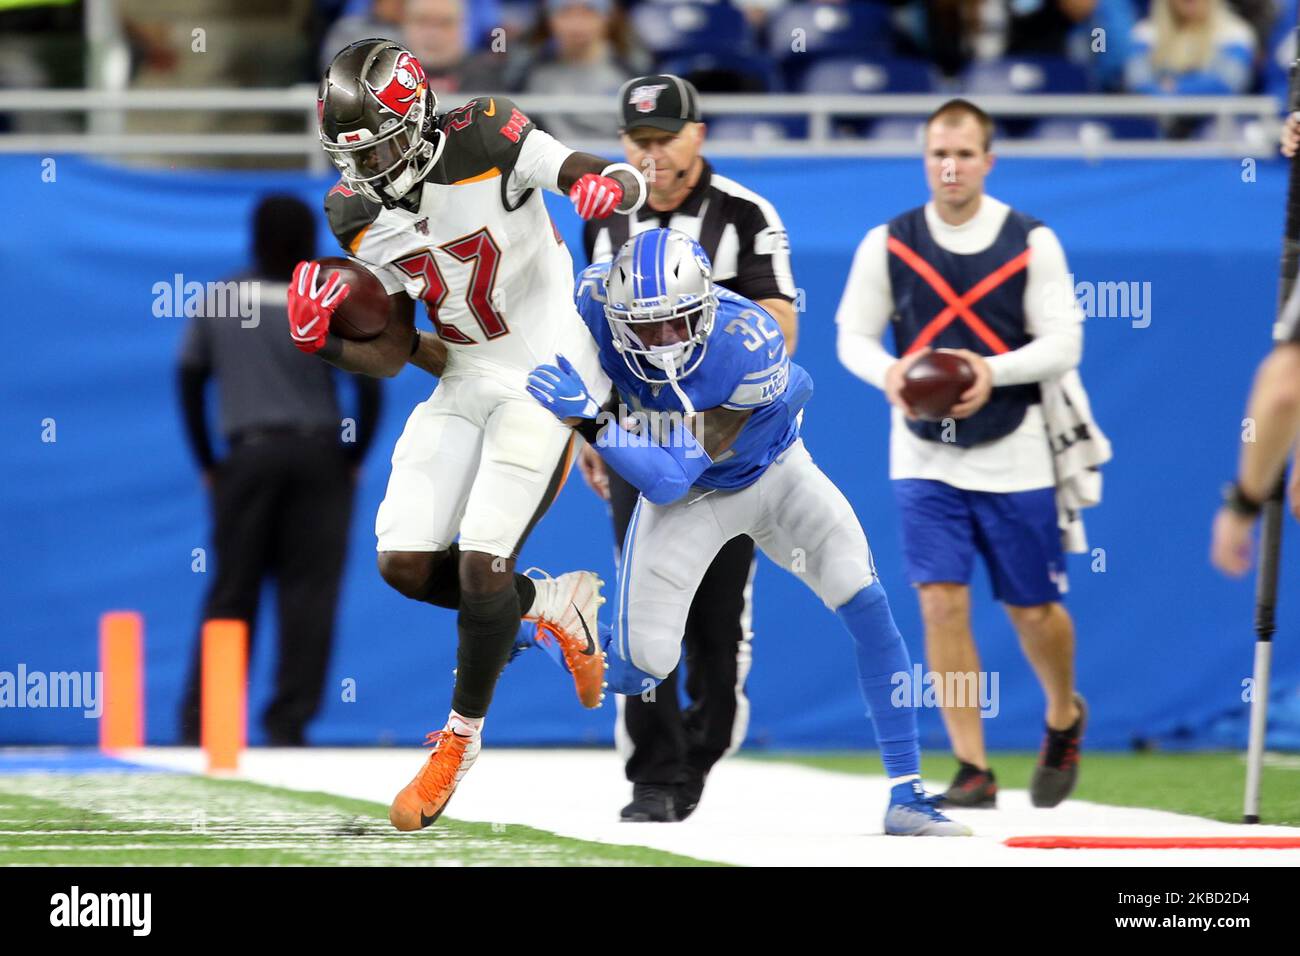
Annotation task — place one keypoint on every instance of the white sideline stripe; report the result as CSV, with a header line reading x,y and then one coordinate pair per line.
x,y
749,814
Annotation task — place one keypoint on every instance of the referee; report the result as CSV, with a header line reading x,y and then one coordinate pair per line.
x,y
669,752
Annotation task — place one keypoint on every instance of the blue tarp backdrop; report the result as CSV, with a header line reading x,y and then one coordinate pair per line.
x,y
108,515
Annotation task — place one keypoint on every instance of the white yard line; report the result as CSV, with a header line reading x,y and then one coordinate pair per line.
x,y
754,812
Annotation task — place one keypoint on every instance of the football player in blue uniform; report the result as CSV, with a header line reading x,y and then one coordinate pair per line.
x,y
704,420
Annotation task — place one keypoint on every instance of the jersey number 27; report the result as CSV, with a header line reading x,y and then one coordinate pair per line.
x,y
479,248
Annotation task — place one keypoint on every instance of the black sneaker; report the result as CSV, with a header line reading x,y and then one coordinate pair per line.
x,y
1058,762
971,789
651,803
689,792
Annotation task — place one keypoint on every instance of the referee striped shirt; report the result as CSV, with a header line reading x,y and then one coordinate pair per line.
x,y
739,229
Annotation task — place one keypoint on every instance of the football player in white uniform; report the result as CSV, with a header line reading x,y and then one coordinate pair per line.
x,y
444,208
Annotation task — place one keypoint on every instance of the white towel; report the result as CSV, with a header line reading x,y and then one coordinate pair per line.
x,y
1079,449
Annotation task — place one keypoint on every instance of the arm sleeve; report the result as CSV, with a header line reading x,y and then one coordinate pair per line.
x,y
663,473
865,309
763,265
370,401
1052,317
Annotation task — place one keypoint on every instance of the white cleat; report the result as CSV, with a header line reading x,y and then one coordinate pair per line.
x,y
566,611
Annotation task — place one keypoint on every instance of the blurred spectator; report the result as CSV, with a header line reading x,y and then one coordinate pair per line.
x,y
434,30
481,18
953,33
1261,15
1281,50
950,33
1191,47
582,47
1043,27
282,496
1115,20
374,18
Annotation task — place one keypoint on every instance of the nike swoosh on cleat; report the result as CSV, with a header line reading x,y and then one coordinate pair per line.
x,y
426,820
591,645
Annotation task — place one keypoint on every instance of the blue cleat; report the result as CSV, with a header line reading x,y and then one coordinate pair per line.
x,y
911,813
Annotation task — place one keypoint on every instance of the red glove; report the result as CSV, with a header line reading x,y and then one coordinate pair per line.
x,y
595,196
311,305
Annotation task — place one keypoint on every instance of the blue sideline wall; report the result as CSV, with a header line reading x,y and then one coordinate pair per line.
x,y
108,515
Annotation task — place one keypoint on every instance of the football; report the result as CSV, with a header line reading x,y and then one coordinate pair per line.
x,y
935,382
363,315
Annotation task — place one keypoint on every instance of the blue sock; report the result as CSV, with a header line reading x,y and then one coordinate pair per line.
x,y
623,677
527,638
881,654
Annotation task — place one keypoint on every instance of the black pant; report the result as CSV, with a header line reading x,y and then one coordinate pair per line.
x,y
668,744
281,505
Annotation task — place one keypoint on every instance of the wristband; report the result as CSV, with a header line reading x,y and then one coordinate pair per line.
x,y
1236,501
640,181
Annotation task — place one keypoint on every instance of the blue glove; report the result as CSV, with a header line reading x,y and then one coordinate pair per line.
x,y
560,388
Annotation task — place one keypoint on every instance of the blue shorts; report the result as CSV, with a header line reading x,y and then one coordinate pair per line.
x,y
1015,533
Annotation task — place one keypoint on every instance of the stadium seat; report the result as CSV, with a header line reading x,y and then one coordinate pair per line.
x,y
804,34
725,71
667,29
863,75
829,29
1026,75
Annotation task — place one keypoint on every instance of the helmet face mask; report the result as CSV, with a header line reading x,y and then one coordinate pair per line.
x,y
660,305
375,113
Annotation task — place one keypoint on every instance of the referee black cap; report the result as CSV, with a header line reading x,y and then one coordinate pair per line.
x,y
661,100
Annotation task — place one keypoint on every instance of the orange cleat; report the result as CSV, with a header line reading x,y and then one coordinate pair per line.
x,y
565,611
423,799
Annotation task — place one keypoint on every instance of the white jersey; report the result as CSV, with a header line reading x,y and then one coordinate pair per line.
x,y
480,251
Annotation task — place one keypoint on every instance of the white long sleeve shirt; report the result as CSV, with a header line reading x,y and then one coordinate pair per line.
x,y
1022,460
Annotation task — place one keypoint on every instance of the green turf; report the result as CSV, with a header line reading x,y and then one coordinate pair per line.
x,y
107,819
1202,784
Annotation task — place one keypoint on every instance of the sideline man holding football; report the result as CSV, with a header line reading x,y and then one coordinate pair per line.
x,y
1274,405
722,404
444,208
668,752
985,481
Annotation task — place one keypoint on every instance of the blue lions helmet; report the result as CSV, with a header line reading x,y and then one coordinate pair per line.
x,y
660,305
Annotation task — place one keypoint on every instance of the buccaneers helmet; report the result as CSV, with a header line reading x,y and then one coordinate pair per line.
x,y
376,117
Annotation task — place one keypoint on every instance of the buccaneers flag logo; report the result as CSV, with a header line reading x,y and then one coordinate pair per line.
x,y
404,88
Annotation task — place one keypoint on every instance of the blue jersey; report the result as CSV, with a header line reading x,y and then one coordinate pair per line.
x,y
744,367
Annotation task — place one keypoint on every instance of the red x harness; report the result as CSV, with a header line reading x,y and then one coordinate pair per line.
x,y
957,306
